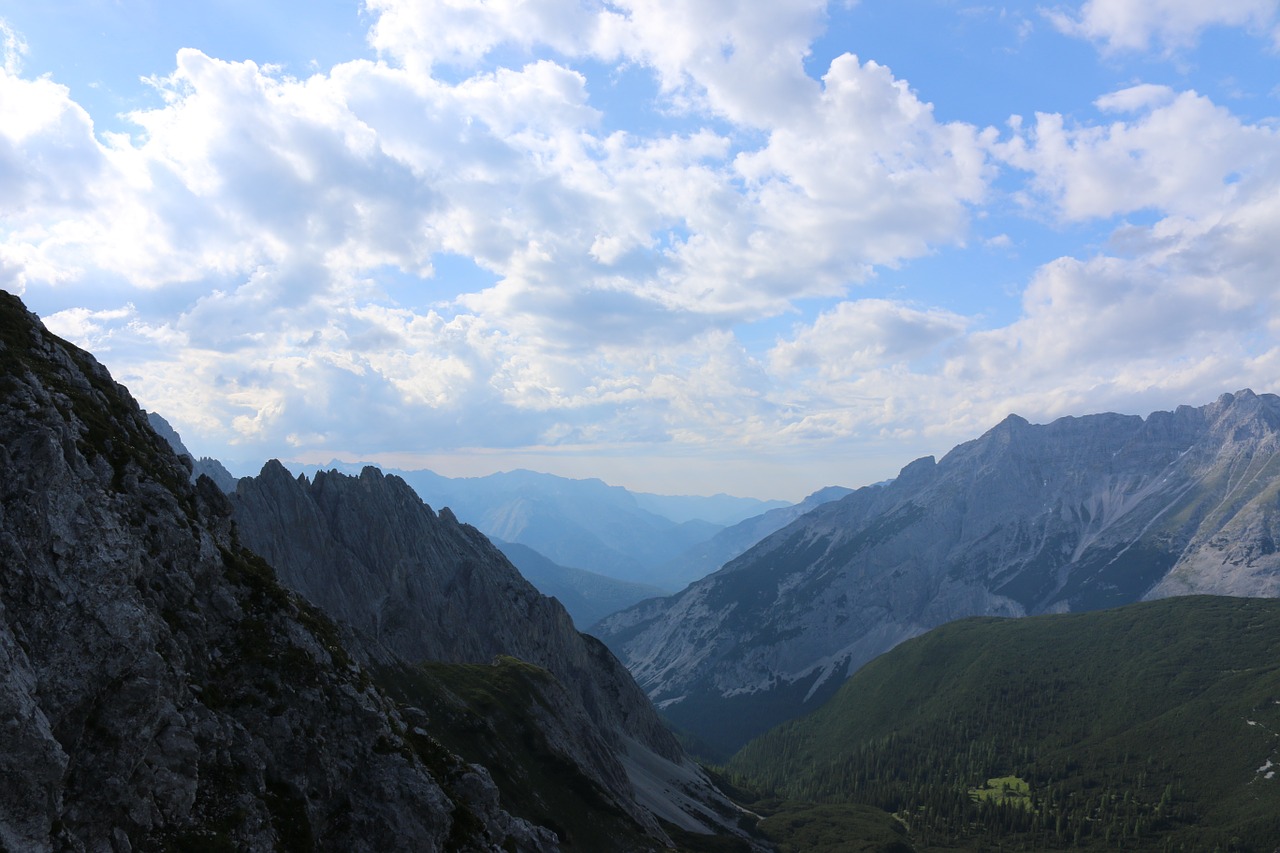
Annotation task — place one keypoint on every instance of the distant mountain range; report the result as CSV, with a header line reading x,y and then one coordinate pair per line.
x,y
587,596
583,520
702,559
581,524
1079,514
327,662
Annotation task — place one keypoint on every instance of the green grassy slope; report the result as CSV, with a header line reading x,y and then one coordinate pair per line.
x,y
1146,727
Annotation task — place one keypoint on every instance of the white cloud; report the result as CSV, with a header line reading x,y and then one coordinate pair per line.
x,y
1136,98
1181,154
1173,24
739,58
280,237
13,47
48,156
423,34
86,328
868,177
1173,310
866,335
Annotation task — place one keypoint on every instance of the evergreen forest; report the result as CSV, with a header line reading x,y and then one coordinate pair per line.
x,y
1149,727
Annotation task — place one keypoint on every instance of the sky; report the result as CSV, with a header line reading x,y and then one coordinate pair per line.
x,y
685,246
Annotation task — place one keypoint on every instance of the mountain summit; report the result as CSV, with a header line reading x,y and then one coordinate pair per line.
x,y
1079,514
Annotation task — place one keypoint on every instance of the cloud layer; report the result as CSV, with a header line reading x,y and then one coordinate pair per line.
x,y
464,247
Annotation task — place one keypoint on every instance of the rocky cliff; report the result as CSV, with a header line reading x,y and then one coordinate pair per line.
x,y
159,689
421,584
1078,514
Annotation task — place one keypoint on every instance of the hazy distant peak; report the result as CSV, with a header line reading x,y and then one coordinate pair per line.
x,y
166,431
205,465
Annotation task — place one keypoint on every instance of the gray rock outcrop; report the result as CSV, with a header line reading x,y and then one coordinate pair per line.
x,y
426,587
158,688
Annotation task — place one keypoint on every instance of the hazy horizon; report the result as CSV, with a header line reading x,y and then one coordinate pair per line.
x,y
746,247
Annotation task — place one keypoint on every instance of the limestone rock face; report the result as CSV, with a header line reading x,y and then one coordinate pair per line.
x,y
1078,514
426,587
158,688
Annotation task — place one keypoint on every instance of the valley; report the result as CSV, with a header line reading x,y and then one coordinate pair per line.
x,y
1055,637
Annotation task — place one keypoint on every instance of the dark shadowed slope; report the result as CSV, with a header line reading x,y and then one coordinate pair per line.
x,y
370,553
587,596
160,690
1156,726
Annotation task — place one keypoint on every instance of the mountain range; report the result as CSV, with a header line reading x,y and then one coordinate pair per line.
x,y
294,662
426,587
162,690
1078,514
635,537
589,597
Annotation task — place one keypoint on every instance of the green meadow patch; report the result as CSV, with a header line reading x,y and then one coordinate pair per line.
x,y
1004,789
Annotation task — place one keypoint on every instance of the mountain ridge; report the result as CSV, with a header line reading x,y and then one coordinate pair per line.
x,y
586,524
429,588
587,596
1077,514
160,689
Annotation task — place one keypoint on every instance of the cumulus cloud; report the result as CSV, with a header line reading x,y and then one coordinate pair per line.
x,y
1179,153
739,58
1172,24
48,155
1174,307
421,34
867,334
274,243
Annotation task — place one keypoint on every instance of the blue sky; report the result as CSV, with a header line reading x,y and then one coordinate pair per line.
x,y
754,247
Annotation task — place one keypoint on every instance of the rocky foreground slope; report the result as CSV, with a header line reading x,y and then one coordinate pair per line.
x,y
159,690
1078,514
